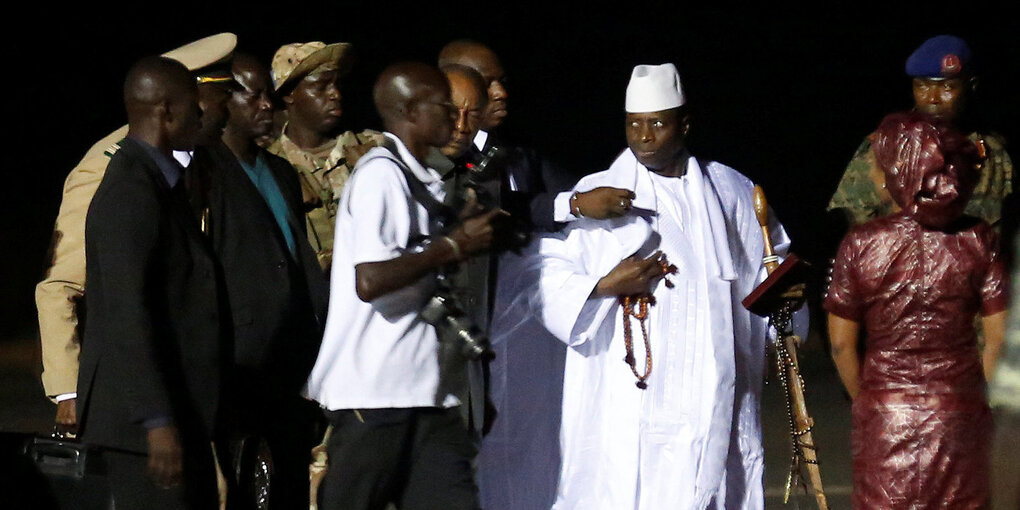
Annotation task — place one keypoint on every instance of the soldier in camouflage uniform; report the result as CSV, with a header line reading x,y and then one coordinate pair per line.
x,y
306,76
942,80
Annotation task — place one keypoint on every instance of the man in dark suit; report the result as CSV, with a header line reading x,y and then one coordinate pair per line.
x,y
540,187
276,292
531,189
149,382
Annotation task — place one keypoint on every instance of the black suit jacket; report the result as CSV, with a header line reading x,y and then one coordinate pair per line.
x,y
277,301
152,347
531,208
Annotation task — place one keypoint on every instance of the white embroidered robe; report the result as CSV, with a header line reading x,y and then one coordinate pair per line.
x,y
692,439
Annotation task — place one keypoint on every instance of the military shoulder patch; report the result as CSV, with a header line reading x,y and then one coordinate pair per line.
x,y
111,150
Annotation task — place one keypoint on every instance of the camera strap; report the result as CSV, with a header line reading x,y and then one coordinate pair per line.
x,y
454,378
441,216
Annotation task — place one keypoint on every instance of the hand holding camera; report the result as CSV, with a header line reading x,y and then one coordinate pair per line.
x,y
476,233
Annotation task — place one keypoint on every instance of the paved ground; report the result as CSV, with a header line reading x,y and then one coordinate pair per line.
x,y
24,409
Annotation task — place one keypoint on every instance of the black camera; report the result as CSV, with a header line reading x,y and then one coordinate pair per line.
x,y
484,179
445,312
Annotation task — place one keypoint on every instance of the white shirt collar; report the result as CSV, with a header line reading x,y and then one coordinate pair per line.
x,y
183,157
480,138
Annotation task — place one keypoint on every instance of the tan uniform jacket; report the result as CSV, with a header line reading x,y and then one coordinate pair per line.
x,y
59,295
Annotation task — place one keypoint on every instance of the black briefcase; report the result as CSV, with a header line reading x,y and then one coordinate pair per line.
x,y
58,458
73,472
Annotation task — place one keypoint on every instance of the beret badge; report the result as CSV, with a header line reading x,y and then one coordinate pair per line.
x,y
951,65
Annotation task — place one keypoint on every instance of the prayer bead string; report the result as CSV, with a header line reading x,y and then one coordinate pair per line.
x,y
628,338
642,302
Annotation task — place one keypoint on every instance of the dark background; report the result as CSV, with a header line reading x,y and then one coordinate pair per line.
x,y
783,95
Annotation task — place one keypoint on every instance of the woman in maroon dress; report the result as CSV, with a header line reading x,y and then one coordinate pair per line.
x,y
916,279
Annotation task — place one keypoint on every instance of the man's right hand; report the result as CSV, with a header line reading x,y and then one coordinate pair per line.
x,y
67,416
633,276
165,458
475,234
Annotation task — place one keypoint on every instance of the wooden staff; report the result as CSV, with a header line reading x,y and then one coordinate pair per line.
x,y
786,357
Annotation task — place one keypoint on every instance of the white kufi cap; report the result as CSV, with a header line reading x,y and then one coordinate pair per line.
x,y
654,88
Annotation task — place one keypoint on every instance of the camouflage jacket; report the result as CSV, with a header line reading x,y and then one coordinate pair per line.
x,y
863,197
323,173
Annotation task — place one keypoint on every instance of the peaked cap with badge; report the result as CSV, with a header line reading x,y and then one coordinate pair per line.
x,y
208,57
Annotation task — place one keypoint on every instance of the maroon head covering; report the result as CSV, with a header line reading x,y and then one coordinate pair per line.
x,y
930,168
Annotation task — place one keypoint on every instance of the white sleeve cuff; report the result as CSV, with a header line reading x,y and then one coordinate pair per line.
x,y
561,208
593,317
65,396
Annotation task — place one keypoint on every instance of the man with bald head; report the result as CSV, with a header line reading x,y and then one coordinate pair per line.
x,y
524,377
471,281
398,435
148,385
483,60
467,90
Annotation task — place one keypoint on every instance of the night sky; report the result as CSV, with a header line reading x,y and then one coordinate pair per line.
x,y
783,95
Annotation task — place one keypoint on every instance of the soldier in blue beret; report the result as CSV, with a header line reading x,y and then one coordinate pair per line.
x,y
943,79
942,76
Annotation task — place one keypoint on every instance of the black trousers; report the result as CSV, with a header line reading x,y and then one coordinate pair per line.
x,y
417,459
133,489
290,427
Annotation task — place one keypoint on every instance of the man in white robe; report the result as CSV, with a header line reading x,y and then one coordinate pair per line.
x,y
692,438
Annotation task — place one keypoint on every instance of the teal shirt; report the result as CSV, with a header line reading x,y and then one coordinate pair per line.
x,y
262,177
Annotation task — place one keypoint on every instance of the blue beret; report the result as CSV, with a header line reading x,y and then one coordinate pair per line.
x,y
942,56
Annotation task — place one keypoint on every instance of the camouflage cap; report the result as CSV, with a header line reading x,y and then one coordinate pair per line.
x,y
294,61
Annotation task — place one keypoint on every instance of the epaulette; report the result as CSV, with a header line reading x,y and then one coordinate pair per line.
x,y
111,150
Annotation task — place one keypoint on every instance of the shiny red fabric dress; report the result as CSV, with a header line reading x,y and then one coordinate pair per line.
x,y
921,424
